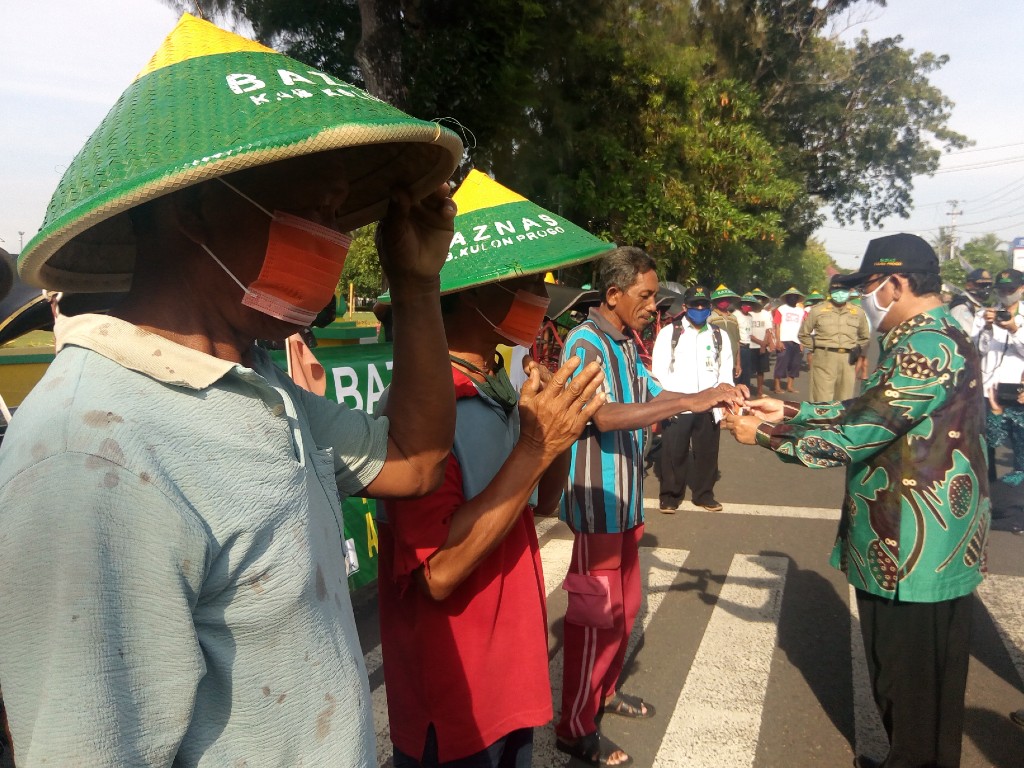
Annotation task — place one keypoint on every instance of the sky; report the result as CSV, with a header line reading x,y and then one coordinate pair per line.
x,y
63,63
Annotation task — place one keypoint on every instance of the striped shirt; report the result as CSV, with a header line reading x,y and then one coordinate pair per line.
x,y
605,487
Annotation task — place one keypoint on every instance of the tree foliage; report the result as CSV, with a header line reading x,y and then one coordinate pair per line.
x,y
709,132
984,252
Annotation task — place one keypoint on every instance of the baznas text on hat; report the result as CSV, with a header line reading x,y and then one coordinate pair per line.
x,y
244,82
502,235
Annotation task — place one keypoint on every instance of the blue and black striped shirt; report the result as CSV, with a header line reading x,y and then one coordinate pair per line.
x,y
605,486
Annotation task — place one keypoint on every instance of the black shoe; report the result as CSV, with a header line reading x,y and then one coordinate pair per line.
x,y
711,506
861,761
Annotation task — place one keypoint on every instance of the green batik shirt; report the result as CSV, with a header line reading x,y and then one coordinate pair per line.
x,y
916,513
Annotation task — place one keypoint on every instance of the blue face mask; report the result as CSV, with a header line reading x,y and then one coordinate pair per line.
x,y
840,296
698,316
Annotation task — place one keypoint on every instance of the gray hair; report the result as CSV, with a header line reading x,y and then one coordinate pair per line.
x,y
621,268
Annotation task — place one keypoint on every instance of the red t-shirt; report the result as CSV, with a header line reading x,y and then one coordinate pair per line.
x,y
476,664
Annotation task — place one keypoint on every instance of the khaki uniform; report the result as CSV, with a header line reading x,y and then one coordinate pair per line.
x,y
831,332
731,327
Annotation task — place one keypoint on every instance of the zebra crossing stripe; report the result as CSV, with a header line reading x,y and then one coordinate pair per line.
x,y
717,719
758,510
869,733
658,571
1002,598
555,555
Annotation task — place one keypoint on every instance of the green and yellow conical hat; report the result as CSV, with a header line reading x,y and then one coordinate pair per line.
x,y
210,103
499,234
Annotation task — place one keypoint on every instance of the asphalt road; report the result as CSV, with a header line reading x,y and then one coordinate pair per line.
x,y
746,643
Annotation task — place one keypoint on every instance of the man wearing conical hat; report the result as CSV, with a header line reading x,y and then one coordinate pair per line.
x,y
175,585
762,338
460,583
786,320
722,300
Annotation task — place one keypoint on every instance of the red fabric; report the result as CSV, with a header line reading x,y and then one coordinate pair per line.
x,y
447,663
594,657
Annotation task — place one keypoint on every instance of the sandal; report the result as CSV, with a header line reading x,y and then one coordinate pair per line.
x,y
624,705
588,749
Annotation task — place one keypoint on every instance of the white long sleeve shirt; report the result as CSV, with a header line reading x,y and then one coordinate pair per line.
x,y
696,362
1002,352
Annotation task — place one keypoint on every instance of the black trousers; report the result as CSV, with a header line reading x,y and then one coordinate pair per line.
x,y
917,657
689,456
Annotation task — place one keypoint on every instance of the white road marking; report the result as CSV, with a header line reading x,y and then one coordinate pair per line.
x,y
658,571
1002,597
758,510
717,719
869,733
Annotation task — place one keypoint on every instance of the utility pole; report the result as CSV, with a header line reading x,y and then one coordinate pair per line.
x,y
954,212
21,241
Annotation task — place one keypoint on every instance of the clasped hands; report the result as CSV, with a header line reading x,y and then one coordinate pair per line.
x,y
744,419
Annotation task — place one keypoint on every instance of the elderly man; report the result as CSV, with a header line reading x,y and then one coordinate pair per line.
x,y
916,514
460,584
603,503
837,333
174,584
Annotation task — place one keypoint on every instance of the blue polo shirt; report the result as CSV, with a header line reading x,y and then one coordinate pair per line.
x,y
606,474
174,585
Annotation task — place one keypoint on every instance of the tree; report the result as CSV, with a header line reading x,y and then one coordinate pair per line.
x,y
855,122
708,131
984,252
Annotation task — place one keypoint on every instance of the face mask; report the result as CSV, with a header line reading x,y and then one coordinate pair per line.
x,y
1009,299
723,305
745,309
523,320
698,316
300,270
875,312
982,292
840,296
496,386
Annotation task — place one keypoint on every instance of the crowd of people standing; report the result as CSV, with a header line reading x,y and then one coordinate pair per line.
x,y
175,584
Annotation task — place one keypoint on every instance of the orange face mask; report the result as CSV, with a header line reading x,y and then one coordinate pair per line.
x,y
523,319
301,268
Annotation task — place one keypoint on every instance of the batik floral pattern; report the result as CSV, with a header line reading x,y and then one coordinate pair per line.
x,y
916,513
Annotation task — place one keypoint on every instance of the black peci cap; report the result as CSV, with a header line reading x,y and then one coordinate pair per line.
x,y
894,255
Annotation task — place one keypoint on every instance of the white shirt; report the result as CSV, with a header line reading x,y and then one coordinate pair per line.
x,y
789,319
760,324
1002,352
745,323
695,364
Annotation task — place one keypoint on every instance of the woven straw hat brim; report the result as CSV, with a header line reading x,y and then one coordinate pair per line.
x,y
185,121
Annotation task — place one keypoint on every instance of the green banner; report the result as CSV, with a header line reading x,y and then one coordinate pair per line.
x,y
357,375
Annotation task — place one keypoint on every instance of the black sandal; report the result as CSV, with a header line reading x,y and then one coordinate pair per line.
x,y
588,749
624,705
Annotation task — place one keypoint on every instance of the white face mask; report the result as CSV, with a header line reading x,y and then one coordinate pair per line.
x,y
874,311
1009,299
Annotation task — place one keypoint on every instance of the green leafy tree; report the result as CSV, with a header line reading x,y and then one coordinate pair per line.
x,y
984,252
709,132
